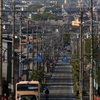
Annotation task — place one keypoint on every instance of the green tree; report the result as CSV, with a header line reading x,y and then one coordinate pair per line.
x,y
44,16
95,54
34,8
37,74
67,37
88,48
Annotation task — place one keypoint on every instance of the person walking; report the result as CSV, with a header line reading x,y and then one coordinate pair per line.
x,y
5,97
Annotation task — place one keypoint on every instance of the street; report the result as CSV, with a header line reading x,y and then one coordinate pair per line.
x,y
61,83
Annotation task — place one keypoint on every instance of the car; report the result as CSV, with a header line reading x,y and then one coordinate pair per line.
x,y
65,47
28,97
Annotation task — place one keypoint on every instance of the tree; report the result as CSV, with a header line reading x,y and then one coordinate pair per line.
x,y
44,16
95,54
67,37
37,74
34,8
88,48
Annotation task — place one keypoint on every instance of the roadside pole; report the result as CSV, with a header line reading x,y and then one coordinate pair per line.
x,y
1,49
80,69
91,68
13,42
98,63
32,52
20,46
27,54
37,46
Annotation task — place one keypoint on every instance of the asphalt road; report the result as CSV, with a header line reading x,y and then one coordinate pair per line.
x,y
61,83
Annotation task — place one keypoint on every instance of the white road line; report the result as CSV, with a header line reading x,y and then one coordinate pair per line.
x,y
71,81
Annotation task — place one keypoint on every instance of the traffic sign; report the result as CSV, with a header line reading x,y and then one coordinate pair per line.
x,y
60,52
39,58
30,46
19,78
9,86
54,61
50,61
65,59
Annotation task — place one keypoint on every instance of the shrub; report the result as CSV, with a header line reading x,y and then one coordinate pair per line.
x,y
43,86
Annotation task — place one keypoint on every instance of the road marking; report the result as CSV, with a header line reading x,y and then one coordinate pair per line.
x,y
59,88
71,81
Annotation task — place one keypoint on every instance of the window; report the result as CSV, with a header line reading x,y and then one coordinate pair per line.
x,y
27,87
28,97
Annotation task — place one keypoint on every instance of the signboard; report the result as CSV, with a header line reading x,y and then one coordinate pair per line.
x,y
65,59
32,87
39,58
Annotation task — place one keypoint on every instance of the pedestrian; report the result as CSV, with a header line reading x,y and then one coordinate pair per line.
x,y
10,97
5,97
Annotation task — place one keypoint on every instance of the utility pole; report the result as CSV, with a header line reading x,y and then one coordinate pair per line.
x,y
13,42
20,45
43,57
99,63
1,49
91,68
32,52
80,70
27,53
53,49
36,46
99,66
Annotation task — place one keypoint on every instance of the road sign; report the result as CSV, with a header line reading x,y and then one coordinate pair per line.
x,y
65,59
30,46
9,86
19,78
60,52
39,58
54,61
50,61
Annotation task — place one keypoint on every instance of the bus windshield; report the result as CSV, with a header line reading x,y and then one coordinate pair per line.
x,y
28,97
27,87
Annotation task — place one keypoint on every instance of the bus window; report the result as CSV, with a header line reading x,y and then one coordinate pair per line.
x,y
27,87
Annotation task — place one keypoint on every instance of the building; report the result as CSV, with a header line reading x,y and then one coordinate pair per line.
x,y
67,2
50,9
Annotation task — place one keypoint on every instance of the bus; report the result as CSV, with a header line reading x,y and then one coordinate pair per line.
x,y
27,88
